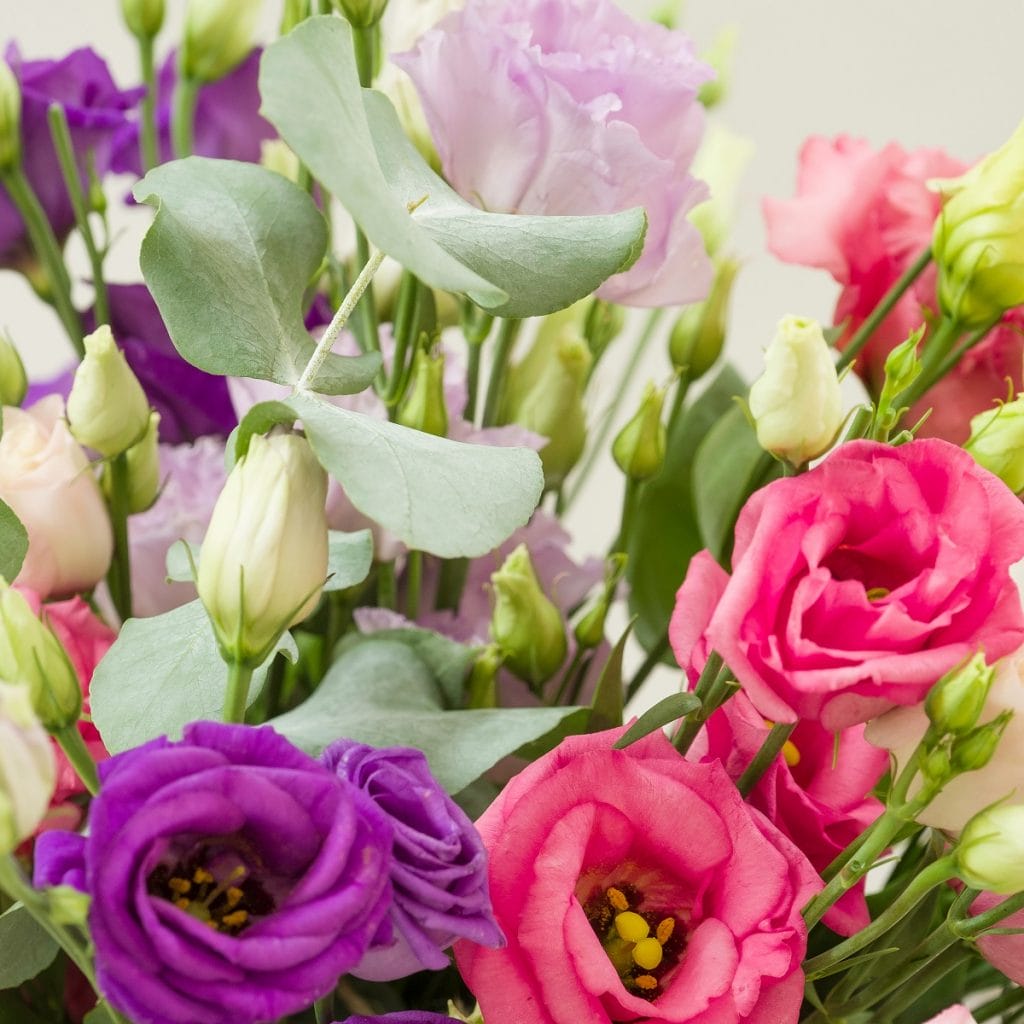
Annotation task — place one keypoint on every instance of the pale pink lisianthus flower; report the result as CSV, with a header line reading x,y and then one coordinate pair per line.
x,y
957,1014
857,585
559,107
1004,952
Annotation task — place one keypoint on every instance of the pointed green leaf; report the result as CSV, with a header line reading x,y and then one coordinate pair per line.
x,y
13,543
25,947
447,498
512,265
665,711
607,705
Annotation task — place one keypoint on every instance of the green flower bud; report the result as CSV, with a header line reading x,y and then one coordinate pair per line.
x,y
362,13
526,626
219,35
424,407
997,442
602,325
978,243
28,768
796,403
32,654
482,687
954,703
639,448
144,18
263,562
902,365
10,118
937,768
68,905
991,851
13,380
143,469
107,409
721,161
698,336
589,631
720,56
972,752
294,13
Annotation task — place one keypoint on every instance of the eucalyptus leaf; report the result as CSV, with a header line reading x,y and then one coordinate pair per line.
x,y
444,497
13,543
25,947
162,673
349,558
351,140
661,714
260,419
383,693
228,258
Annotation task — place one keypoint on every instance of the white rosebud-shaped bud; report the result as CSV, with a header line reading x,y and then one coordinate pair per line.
x,y
796,403
954,703
13,380
219,34
144,18
991,851
107,409
362,13
28,768
263,561
997,442
10,118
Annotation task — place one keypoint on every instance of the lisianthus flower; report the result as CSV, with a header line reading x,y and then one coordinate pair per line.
x,y
439,867
572,107
404,1017
1004,952
865,215
635,885
857,585
232,877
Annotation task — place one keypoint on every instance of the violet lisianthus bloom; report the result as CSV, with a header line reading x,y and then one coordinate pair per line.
x,y
438,867
97,111
232,877
571,107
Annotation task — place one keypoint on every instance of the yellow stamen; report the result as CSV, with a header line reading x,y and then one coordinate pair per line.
x,y
791,753
233,896
647,954
665,929
617,898
235,920
179,885
183,904
201,876
646,981
631,927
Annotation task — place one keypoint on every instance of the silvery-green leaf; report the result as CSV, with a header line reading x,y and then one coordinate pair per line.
x,y
25,947
349,557
13,543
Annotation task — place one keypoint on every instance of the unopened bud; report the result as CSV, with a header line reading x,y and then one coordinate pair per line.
x,y
972,752
295,12
902,364
602,325
720,56
144,18
10,118
589,631
698,336
991,851
30,653
143,469
639,448
424,407
936,767
997,442
796,403
526,626
219,35
954,703
482,687
276,155
362,13
263,561
68,905
28,768
107,409
13,380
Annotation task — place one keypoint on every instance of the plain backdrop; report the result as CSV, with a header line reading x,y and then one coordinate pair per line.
x,y
922,72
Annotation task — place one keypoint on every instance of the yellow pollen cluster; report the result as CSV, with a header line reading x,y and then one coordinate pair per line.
x,y
617,898
647,952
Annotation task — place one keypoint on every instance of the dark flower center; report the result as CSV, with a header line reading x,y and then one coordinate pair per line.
x,y
214,886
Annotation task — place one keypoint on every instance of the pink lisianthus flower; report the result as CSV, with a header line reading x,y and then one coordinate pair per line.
x,y
864,216
588,832
857,585
957,1014
1004,952
561,107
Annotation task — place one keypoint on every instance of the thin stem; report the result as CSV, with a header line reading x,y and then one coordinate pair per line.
x,y
61,136
773,744
653,659
47,250
451,584
884,308
404,324
387,596
413,584
364,42
1010,1000
337,324
237,695
567,677
119,578
183,115
712,686
472,380
630,498
148,150
678,399
925,979
936,352
77,753
972,927
507,334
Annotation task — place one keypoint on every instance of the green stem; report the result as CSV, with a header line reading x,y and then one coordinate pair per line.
x,y
653,659
119,578
960,351
884,308
404,324
507,334
364,42
630,499
387,589
413,584
71,742
61,136
936,352
364,322
773,744
451,584
472,380
183,115
237,695
678,400
1010,1000
972,927
929,976
47,250
567,677
712,686
148,149
600,438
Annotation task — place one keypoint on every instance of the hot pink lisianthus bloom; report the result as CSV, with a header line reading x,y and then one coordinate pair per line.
x,y
588,833
864,216
560,107
1004,952
857,585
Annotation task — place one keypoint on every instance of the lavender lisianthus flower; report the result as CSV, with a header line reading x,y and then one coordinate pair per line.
x,y
232,877
438,867
97,112
572,107
403,1017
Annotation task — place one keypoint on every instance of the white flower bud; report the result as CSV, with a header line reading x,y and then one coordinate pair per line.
x,y
264,559
997,442
13,380
991,851
144,18
143,469
218,36
796,403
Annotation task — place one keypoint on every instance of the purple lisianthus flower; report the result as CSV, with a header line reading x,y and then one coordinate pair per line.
x,y
227,120
232,877
438,868
572,107
59,859
403,1017
97,111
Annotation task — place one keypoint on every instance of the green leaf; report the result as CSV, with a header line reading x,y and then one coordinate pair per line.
x,y
162,673
25,947
351,140
349,558
13,543
607,706
260,419
383,693
227,258
668,710
666,511
440,496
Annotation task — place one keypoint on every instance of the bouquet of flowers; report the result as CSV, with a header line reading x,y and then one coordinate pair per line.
x,y
308,710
